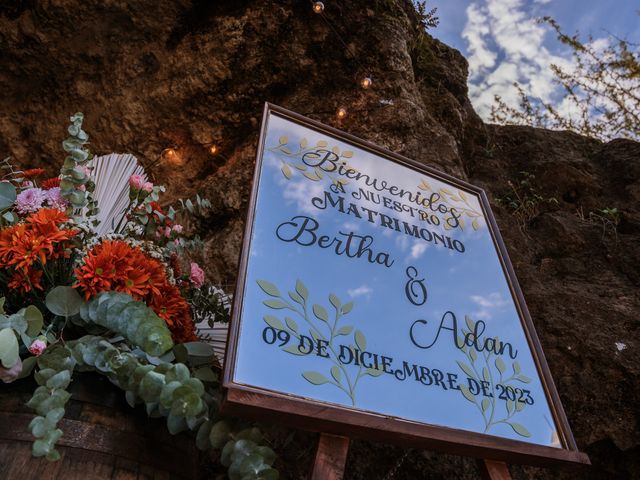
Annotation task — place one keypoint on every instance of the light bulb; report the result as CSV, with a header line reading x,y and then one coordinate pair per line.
x,y
341,113
366,82
318,7
213,149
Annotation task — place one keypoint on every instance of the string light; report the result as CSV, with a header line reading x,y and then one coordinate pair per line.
x,y
341,113
366,82
213,149
172,155
318,7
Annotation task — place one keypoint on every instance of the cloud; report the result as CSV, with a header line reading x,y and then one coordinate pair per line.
x,y
506,45
419,247
488,305
300,191
363,290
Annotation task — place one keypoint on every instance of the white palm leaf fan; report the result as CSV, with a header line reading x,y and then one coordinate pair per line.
x,y
111,175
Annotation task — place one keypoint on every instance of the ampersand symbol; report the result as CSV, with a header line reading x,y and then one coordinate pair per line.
x,y
414,289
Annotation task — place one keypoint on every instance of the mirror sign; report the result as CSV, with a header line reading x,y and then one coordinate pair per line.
x,y
376,299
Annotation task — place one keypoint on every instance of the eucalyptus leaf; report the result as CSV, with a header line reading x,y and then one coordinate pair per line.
x,y
273,322
523,378
291,323
8,195
34,320
500,365
320,312
335,373
8,348
346,330
519,429
469,322
268,288
360,340
347,307
335,301
516,367
275,304
467,369
315,378
219,434
64,301
467,393
202,437
27,367
199,349
302,290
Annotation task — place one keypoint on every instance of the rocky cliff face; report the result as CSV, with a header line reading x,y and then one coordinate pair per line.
x,y
153,74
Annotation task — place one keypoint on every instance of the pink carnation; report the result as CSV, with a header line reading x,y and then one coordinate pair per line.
x,y
37,347
177,228
147,187
167,232
136,182
30,200
197,275
55,199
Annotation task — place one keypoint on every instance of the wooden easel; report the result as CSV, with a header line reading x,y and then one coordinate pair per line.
x,y
331,457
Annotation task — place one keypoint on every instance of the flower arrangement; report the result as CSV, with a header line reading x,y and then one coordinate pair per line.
x,y
120,303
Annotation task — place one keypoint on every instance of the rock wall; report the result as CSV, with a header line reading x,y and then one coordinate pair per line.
x,y
151,74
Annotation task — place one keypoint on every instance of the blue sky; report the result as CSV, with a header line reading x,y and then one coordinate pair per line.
x,y
503,43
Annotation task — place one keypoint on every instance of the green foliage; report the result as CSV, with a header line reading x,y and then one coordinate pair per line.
x,y
201,206
49,399
481,368
63,301
322,325
601,88
75,184
524,202
132,319
24,325
169,390
428,18
8,195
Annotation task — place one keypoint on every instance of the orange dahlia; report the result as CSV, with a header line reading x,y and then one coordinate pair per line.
x,y
114,265
172,307
50,183
33,172
25,248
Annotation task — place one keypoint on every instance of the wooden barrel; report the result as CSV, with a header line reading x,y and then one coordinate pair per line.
x,y
103,437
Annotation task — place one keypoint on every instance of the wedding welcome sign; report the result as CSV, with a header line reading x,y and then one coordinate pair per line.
x,y
376,299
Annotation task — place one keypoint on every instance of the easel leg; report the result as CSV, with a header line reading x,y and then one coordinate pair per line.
x,y
493,470
331,457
